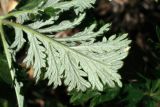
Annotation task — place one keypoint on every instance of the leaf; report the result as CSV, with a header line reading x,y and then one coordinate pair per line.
x,y
41,5
63,25
87,34
79,5
79,62
19,40
134,95
39,24
93,96
78,98
4,103
36,53
50,3
53,72
150,103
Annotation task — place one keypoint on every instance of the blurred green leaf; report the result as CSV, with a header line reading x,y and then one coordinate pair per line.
x,y
95,97
108,95
134,95
154,91
150,103
4,103
4,70
80,97
7,103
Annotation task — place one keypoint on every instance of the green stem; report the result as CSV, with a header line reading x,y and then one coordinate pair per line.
x,y
6,47
9,60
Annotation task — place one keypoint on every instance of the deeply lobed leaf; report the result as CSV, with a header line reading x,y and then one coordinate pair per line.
x,y
79,60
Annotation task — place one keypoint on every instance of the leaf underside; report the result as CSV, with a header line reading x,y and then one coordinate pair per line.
x,y
79,60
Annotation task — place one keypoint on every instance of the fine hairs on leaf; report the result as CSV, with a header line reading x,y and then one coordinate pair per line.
x,y
78,61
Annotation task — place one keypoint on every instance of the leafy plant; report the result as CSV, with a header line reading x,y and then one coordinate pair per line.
x,y
80,60
95,97
146,94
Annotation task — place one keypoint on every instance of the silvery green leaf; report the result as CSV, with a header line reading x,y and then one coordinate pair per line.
x,y
35,56
79,61
63,25
19,40
87,65
86,34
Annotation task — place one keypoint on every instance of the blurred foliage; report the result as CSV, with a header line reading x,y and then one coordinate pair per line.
x,y
95,97
4,74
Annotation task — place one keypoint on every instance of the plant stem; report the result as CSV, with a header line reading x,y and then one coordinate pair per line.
x,y
12,72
